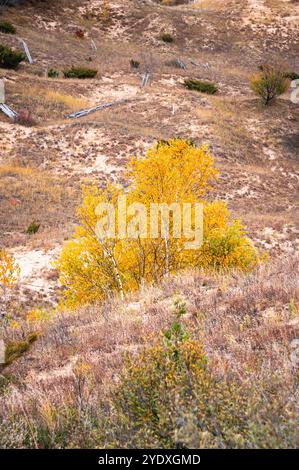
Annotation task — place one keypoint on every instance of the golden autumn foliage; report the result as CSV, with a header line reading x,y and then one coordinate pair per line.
x,y
172,172
9,272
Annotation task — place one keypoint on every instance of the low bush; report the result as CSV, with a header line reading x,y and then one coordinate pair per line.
x,y
33,228
52,73
7,27
166,37
169,398
16,349
80,72
203,87
10,59
134,64
269,83
292,76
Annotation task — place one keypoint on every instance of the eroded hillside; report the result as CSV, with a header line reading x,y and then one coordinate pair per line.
x,y
58,384
255,148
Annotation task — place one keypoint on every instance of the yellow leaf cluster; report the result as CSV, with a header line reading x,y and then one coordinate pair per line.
x,y
9,270
175,171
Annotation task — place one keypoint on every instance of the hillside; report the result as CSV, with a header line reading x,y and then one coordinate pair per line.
x,y
247,323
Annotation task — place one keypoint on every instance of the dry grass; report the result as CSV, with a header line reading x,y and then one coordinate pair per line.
x,y
45,100
56,99
29,195
246,324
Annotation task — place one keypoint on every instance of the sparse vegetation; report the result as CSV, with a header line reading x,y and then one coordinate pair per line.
x,y
80,34
33,228
134,64
52,73
80,72
168,398
182,384
292,75
201,86
29,193
145,342
269,83
105,14
166,37
15,349
10,59
7,27
25,118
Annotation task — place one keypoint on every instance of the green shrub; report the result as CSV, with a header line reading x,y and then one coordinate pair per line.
x,y
269,83
134,64
7,27
203,87
80,72
166,37
52,73
16,349
169,398
292,76
10,59
33,228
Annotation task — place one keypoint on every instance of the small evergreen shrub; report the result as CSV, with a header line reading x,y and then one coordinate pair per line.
x,y
80,72
7,27
203,87
269,83
292,76
33,228
134,64
166,37
52,73
10,59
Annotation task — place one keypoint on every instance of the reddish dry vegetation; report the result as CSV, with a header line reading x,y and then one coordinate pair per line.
x,y
246,325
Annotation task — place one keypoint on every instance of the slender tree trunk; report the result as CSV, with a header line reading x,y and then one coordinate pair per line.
x,y
117,275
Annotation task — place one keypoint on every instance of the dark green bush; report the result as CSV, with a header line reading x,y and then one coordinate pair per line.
x,y
7,27
134,64
166,37
10,59
52,73
33,228
292,76
203,87
80,72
